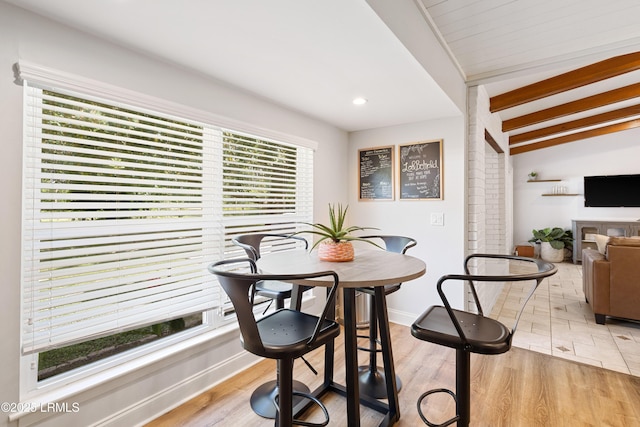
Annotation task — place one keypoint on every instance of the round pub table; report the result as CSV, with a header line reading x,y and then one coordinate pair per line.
x,y
370,268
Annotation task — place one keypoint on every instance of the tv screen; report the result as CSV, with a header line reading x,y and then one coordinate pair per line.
x,y
612,191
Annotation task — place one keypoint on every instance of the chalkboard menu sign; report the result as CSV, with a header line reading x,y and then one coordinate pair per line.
x,y
421,170
376,173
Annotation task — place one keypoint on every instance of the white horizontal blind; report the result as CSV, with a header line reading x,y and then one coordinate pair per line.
x,y
120,218
267,188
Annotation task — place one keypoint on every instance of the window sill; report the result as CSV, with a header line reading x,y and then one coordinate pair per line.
x,y
66,392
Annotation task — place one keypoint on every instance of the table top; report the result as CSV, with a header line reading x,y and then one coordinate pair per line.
x,y
369,268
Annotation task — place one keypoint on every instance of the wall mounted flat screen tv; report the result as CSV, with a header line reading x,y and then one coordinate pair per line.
x,y
612,191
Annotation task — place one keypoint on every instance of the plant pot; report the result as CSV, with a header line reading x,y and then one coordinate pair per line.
x,y
549,254
335,252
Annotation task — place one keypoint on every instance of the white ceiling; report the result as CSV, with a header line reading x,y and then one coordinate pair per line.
x,y
316,56
494,39
311,56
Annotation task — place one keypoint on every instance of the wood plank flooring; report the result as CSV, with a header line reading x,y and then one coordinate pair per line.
x,y
519,388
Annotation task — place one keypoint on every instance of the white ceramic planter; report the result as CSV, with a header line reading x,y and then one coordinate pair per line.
x,y
548,253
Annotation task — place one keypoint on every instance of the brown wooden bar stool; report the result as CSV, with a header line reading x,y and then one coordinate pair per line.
x,y
283,335
371,377
469,332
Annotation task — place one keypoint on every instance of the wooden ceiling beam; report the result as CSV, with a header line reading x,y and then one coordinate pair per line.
x,y
575,124
492,142
573,79
575,137
580,105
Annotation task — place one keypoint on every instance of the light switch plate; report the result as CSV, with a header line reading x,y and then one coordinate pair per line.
x,y
437,218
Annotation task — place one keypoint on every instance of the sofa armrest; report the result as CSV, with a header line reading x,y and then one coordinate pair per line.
x,y
596,280
625,281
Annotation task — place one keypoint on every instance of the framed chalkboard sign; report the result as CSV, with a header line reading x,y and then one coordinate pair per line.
x,y
376,173
420,171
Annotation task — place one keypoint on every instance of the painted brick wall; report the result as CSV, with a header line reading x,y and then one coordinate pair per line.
x,y
487,202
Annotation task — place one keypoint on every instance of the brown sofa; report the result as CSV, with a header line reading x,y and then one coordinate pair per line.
x,y
611,280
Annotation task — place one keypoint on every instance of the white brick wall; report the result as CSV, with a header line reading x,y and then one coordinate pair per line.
x,y
495,201
487,211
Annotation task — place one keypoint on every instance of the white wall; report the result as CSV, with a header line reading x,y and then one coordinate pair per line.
x,y
612,154
405,19
441,247
127,397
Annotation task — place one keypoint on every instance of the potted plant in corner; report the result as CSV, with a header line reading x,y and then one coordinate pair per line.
x,y
335,239
553,242
533,176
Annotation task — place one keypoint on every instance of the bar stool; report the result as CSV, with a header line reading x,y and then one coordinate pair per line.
x,y
283,335
251,243
468,332
371,377
262,397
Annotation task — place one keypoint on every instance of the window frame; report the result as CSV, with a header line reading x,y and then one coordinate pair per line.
x,y
215,322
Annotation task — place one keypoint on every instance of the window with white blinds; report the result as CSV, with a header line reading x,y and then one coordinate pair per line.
x,y
124,209
267,188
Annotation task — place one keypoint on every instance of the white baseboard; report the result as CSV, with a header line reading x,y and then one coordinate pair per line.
x,y
401,317
150,408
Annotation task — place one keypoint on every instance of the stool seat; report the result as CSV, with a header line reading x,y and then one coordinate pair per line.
x,y
483,334
274,290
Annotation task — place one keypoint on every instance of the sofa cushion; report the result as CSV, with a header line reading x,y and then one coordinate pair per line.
x,y
601,242
625,241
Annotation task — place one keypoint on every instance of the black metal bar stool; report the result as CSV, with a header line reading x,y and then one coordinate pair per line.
x,y
283,335
371,377
469,332
262,397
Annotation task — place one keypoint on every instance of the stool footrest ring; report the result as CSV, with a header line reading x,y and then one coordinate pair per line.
x,y
437,390
314,400
367,349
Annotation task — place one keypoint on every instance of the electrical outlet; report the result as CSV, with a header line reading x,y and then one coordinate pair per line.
x,y
437,218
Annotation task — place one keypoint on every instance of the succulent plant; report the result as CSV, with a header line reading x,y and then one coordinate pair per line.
x,y
336,230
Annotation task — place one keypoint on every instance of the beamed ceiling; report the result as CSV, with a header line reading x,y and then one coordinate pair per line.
x,y
556,71
602,113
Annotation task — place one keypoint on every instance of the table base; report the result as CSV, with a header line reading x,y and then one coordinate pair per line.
x,y
351,390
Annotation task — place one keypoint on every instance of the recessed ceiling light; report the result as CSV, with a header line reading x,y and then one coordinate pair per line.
x,y
359,101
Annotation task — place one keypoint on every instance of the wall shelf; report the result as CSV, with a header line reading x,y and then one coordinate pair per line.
x,y
553,194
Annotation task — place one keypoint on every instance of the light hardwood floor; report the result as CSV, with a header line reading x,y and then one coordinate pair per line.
x,y
518,388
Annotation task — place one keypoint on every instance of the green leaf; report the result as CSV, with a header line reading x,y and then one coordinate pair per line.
x,y
336,230
558,237
557,244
